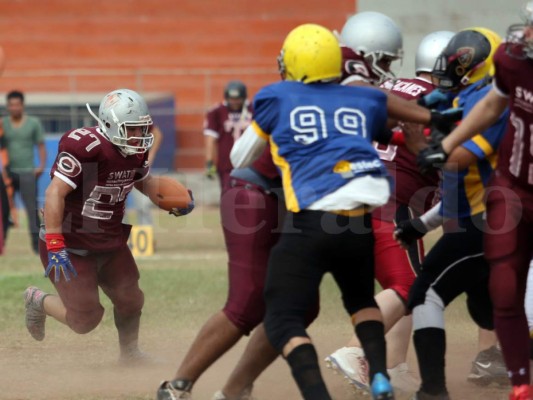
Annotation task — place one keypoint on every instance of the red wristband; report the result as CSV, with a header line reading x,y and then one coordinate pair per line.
x,y
54,241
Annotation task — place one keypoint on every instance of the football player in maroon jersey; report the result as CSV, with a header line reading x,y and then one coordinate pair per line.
x,y
83,244
509,229
223,125
372,42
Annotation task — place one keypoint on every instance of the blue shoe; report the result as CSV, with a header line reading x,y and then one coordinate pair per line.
x,y
381,388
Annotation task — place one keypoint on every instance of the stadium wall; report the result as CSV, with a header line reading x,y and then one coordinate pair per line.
x,y
190,48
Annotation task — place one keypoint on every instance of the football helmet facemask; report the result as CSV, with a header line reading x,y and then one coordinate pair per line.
x,y
519,38
377,38
429,49
120,109
310,53
466,59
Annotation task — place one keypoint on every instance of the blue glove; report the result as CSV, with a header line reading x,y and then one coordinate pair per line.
x,y
58,262
434,99
178,212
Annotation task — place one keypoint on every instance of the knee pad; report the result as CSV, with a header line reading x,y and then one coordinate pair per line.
x,y
417,293
429,314
282,327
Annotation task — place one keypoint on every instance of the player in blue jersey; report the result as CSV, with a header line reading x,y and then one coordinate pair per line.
x,y
456,263
321,136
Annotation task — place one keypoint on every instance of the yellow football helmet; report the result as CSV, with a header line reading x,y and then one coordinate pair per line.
x,y
466,59
310,53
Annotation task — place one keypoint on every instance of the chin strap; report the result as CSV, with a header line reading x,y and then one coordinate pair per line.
x,y
100,123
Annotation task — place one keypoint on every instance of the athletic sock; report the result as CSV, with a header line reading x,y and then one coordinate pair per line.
x,y
430,346
514,340
371,334
303,361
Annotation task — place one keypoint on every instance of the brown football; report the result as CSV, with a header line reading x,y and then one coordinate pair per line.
x,y
167,193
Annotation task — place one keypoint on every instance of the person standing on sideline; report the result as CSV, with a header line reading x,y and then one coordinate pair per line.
x,y
223,125
21,134
5,221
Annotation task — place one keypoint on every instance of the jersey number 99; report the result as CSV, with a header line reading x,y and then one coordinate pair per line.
x,y
309,123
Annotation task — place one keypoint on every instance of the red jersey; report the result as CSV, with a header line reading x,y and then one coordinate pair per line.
x,y
101,177
226,126
355,68
411,188
513,80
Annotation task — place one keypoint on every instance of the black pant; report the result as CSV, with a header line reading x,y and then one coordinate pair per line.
x,y
313,243
456,265
26,184
4,208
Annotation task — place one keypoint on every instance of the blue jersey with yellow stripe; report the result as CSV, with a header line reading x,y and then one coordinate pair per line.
x,y
463,191
321,135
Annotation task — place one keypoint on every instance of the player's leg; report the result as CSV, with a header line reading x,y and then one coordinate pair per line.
x,y
352,267
454,264
488,366
249,220
118,276
257,356
529,298
508,249
294,273
395,270
76,305
28,193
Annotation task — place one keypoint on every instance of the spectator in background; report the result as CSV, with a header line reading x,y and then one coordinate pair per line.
x,y
21,133
223,125
4,202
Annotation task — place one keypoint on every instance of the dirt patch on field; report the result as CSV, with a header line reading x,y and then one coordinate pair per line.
x,y
69,366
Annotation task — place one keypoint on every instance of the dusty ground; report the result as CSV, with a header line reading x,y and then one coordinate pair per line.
x,y
68,366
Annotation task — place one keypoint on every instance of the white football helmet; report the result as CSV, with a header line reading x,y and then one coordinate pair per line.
x,y
377,38
122,108
521,34
429,50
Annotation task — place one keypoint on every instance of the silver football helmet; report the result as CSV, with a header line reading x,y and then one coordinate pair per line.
x,y
118,110
517,34
429,50
377,38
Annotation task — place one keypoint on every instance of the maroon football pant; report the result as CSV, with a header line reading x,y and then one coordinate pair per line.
x,y
509,248
115,272
251,221
395,267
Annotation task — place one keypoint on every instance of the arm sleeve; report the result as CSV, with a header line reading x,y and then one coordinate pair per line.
x,y
248,147
254,139
432,218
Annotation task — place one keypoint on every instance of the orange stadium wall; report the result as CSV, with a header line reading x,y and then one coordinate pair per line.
x,y
188,48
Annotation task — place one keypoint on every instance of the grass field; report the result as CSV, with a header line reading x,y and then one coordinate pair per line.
x,y
184,283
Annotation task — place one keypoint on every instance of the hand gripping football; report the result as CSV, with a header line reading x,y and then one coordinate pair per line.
x,y
167,193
